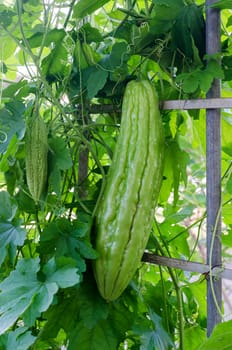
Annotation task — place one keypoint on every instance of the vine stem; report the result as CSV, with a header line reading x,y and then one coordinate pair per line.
x,y
165,299
177,289
211,278
37,221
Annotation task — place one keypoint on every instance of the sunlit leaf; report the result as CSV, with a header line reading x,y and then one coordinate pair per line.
x,y
220,338
176,161
222,4
83,7
7,47
193,337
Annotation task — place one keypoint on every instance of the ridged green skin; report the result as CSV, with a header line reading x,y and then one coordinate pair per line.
x,y
36,148
125,214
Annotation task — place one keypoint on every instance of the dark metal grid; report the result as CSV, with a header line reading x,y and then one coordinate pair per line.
x,y
213,175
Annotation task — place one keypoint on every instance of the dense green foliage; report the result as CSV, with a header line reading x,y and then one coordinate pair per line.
x,y
73,60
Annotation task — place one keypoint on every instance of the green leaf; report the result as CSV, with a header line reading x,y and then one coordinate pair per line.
x,y
229,184
41,298
7,48
215,69
59,159
8,158
197,27
24,200
80,57
220,338
97,338
92,307
90,34
17,291
181,33
205,79
200,78
222,4
166,10
22,294
53,36
176,161
19,90
227,238
96,82
54,66
198,290
11,123
227,135
121,318
156,337
6,16
10,236
193,337
19,339
118,55
65,276
84,8
65,238
55,180
86,249
61,315
8,206
179,242
189,30
60,153
190,83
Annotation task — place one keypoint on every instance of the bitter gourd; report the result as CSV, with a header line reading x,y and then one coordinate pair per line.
x,y
126,211
36,151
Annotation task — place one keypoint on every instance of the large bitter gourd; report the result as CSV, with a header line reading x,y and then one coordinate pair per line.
x,y
126,210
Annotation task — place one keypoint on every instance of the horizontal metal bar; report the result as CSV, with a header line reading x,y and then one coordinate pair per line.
x,y
202,103
206,103
185,265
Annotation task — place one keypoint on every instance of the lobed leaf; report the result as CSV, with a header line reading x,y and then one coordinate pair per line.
x,y
10,235
23,294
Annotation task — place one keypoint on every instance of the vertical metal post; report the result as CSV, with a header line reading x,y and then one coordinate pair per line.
x,y
213,174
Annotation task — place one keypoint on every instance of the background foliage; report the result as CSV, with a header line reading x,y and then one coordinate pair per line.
x,y
75,59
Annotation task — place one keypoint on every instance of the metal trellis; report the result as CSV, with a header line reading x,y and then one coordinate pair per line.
x,y
213,175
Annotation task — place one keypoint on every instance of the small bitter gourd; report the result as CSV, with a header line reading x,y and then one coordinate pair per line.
x,y
36,151
126,211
